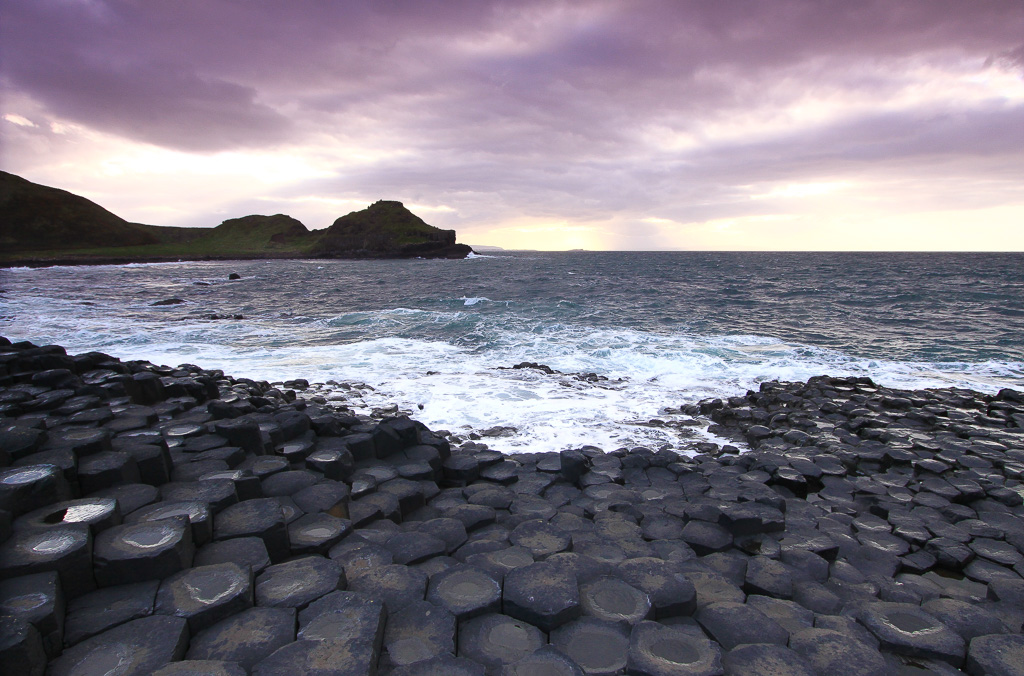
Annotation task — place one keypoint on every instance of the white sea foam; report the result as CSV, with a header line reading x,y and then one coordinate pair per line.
x,y
460,371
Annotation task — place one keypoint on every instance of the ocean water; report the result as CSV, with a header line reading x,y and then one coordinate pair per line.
x,y
659,330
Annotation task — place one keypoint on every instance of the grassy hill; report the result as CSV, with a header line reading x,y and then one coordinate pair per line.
x,y
41,225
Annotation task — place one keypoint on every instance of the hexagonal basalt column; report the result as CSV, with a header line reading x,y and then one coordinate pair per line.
x,y
137,647
497,640
397,585
614,600
23,489
68,550
39,600
97,513
659,650
732,624
670,592
316,533
198,515
143,551
416,633
906,629
107,607
245,638
542,594
21,648
599,647
297,583
465,591
261,518
206,595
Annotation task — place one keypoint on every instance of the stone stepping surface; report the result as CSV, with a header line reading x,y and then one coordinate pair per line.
x,y
175,520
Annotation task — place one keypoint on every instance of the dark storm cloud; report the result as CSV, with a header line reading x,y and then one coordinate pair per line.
x,y
543,108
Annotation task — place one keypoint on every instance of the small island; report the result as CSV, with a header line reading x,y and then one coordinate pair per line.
x,y
40,226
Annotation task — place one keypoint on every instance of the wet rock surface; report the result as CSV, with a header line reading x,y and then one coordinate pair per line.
x,y
160,519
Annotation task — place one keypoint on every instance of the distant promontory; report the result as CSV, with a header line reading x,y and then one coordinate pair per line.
x,y
40,225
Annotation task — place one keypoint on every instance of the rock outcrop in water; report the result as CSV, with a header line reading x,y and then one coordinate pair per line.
x,y
170,519
46,226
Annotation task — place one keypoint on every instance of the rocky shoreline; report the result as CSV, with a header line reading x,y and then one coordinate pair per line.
x,y
160,520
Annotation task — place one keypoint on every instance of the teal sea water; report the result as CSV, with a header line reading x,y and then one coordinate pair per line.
x,y
664,328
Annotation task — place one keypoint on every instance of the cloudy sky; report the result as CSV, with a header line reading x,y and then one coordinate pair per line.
x,y
548,124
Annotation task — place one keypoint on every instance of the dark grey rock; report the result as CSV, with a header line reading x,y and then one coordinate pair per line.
x,y
414,547
465,591
67,550
733,624
547,660
21,647
670,592
260,518
614,600
205,595
344,616
966,619
906,629
540,538
398,585
141,551
299,582
498,640
443,664
320,658
358,556
23,489
246,637
831,652
659,650
198,514
247,551
316,533
105,608
416,633
39,600
542,594
216,493
137,647
597,646
996,655
201,668
765,658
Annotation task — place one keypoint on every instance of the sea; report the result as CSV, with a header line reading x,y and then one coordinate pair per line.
x,y
627,337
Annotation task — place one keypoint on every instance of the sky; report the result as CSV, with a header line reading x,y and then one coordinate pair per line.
x,y
547,124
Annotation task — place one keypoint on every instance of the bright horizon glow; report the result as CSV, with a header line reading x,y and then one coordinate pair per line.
x,y
646,125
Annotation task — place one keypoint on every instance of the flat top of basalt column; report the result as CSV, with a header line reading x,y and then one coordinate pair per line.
x,y
130,497
766,659
398,585
201,668
140,540
832,652
615,600
91,511
201,589
336,658
907,629
247,551
36,547
245,638
599,647
294,584
495,640
732,624
140,646
658,649
35,598
107,607
465,591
